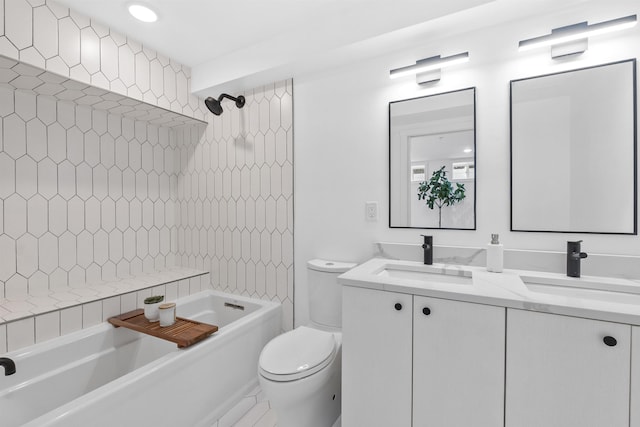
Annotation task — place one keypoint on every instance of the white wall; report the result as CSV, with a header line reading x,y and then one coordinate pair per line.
x,y
341,132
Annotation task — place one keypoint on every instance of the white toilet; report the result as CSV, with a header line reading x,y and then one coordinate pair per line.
x,y
300,371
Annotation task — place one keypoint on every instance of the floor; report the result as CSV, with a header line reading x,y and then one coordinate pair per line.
x,y
253,410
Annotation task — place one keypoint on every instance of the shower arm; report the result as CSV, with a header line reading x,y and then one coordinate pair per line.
x,y
239,100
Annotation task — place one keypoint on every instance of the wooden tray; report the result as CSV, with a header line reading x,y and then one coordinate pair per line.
x,y
184,332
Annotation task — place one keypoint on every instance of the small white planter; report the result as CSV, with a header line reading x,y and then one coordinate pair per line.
x,y
151,310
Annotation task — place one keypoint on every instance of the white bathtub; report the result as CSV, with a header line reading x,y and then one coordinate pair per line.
x,y
103,376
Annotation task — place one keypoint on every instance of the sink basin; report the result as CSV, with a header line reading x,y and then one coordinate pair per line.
x,y
615,292
426,274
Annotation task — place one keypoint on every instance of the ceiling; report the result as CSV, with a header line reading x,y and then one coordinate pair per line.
x,y
226,41
196,31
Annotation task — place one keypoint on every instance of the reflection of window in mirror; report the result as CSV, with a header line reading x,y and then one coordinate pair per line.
x,y
417,173
463,170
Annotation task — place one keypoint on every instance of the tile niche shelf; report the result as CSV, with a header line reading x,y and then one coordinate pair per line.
x,y
18,308
15,75
21,77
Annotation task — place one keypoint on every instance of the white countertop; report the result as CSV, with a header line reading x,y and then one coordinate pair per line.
x,y
507,289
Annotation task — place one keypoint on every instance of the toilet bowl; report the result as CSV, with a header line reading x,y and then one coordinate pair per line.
x,y
300,374
300,371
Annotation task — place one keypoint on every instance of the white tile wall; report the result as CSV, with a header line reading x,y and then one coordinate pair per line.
x,y
66,218
47,326
20,333
111,307
43,82
90,189
3,339
92,313
49,36
70,320
129,302
235,197
35,319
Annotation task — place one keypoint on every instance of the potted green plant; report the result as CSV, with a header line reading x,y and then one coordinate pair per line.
x,y
151,307
438,191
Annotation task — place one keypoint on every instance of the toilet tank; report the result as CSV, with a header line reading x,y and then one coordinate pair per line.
x,y
325,293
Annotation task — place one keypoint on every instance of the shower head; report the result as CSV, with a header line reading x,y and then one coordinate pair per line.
x,y
216,108
213,105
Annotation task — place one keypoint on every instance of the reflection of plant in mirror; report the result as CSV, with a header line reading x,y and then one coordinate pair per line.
x,y
438,191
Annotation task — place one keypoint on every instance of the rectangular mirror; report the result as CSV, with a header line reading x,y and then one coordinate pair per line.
x,y
432,161
573,151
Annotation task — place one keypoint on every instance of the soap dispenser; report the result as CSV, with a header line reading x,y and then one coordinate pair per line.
x,y
495,255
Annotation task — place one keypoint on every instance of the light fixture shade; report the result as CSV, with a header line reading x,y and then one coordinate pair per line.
x,y
429,64
578,31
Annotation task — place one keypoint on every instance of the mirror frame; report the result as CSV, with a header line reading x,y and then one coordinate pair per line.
x,y
635,150
475,159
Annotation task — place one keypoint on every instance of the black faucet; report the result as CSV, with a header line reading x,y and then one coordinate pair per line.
x,y
573,258
9,365
427,246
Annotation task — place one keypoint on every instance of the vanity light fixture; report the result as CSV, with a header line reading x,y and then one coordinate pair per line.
x,y
143,13
573,39
428,70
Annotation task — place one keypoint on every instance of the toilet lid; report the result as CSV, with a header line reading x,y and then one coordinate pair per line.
x,y
297,354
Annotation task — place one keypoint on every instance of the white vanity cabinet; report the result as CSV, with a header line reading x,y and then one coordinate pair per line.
x,y
635,376
438,362
458,363
566,371
488,352
376,358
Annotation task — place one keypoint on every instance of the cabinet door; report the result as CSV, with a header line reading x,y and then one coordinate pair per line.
x,y
458,364
635,376
564,372
376,358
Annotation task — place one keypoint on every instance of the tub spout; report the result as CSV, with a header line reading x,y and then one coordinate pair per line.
x,y
9,365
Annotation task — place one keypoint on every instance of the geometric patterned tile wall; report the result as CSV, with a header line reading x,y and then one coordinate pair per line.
x,y
15,75
240,228
235,197
84,195
53,37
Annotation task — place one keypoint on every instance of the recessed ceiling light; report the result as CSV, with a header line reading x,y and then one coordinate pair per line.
x,y
143,13
467,150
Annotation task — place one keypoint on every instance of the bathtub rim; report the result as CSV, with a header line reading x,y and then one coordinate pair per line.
x,y
87,332
267,310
